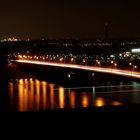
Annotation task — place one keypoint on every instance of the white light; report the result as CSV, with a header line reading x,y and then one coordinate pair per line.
x,y
135,50
69,75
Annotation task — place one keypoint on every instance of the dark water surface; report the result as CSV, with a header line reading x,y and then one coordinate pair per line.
x,y
31,94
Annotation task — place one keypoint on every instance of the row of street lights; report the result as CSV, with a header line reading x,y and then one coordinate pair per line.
x,y
113,63
97,63
133,67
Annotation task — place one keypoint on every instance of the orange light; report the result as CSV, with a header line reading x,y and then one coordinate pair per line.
x,y
72,59
85,101
99,62
116,103
99,102
61,59
72,99
19,56
84,60
115,64
112,62
61,97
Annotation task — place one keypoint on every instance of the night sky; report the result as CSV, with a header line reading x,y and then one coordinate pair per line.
x,y
69,18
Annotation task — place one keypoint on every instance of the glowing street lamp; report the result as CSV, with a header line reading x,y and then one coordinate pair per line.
x,y
135,67
72,59
112,62
84,61
61,59
20,56
99,63
115,65
130,64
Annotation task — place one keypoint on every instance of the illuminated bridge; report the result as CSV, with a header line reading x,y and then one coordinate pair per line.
x,y
119,72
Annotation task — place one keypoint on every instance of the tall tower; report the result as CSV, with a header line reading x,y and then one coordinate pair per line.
x,y
106,30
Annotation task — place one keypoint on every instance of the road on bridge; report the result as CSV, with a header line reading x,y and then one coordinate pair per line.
x,y
119,72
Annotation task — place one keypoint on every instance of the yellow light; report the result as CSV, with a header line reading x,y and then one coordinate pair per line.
x,y
99,102
85,101
84,60
72,59
37,96
19,56
61,97
61,59
31,95
52,103
21,81
44,97
21,96
130,64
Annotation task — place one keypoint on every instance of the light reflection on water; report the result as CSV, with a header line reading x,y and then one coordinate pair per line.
x,y
36,95
100,102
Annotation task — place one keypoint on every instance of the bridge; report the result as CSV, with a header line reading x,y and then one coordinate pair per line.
x,y
119,72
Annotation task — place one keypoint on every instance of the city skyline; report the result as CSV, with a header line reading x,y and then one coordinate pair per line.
x,y
69,19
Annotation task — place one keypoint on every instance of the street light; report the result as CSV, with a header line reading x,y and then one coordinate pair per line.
x,y
85,61
135,67
61,59
115,65
72,59
112,62
130,64
131,67
99,63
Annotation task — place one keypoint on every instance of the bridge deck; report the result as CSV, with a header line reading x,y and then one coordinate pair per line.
x,y
119,72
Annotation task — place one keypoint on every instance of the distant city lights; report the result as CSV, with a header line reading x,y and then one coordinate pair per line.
x,y
135,50
10,39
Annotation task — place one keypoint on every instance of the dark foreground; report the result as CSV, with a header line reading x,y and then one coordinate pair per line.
x,y
123,109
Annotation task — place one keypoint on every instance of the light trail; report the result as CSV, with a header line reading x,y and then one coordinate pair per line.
x,y
88,68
